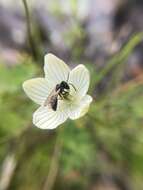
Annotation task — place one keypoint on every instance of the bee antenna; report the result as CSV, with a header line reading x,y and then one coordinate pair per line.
x,y
73,86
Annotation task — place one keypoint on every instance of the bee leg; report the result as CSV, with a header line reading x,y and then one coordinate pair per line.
x,y
60,97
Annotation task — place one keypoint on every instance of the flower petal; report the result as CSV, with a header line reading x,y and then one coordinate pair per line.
x,y
37,89
79,77
46,118
55,69
80,109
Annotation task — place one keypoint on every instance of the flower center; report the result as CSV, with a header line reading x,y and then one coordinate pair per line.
x,y
67,95
65,90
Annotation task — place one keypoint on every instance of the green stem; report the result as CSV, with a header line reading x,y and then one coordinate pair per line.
x,y
29,31
54,165
122,56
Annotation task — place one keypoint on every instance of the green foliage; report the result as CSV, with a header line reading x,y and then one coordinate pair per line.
x,y
13,103
77,146
12,78
110,136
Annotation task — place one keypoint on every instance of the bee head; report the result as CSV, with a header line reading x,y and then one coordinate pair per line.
x,y
64,85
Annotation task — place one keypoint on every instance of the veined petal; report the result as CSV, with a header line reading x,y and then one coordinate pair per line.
x,y
37,89
79,77
80,108
46,118
55,69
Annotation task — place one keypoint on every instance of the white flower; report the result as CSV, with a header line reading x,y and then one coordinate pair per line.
x,y
73,105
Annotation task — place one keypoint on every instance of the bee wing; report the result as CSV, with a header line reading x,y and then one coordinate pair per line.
x,y
49,97
52,99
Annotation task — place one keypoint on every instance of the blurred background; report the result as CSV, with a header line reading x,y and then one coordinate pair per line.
x,y
104,149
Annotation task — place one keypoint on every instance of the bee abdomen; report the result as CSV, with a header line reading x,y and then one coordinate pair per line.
x,y
54,104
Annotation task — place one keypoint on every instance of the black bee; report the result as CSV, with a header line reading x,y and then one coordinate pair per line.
x,y
61,90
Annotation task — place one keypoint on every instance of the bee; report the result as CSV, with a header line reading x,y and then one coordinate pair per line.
x,y
61,90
